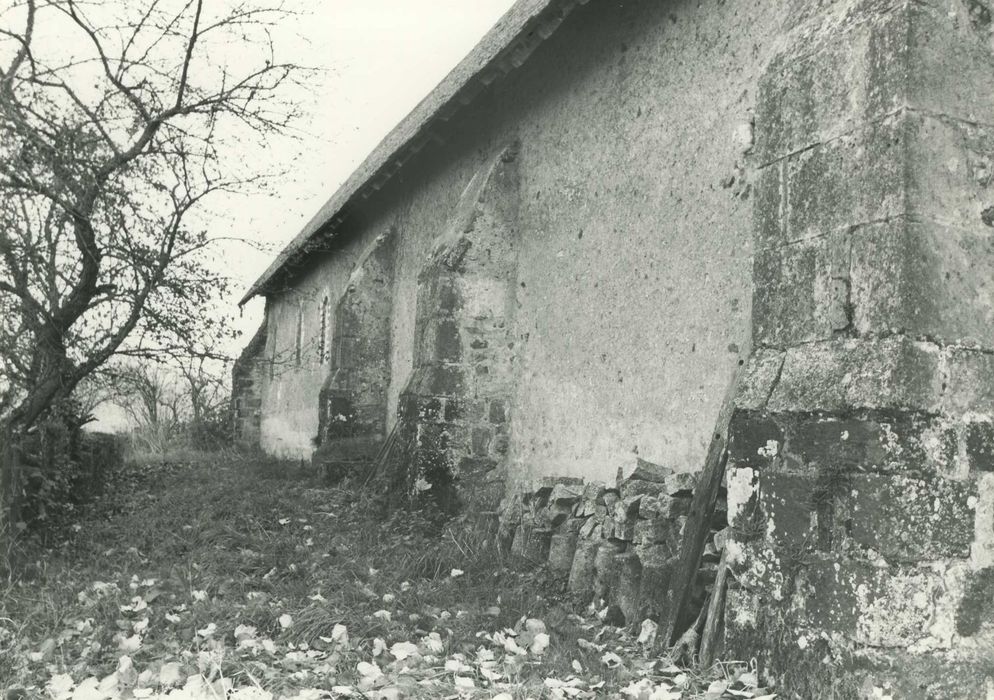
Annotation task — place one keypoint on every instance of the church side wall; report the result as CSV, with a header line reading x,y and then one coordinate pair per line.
x,y
634,282
290,386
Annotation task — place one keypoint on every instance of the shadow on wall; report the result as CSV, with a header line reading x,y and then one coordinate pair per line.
x,y
353,399
452,428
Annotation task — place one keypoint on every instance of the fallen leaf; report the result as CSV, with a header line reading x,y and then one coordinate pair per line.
x,y
611,660
647,635
404,650
539,644
130,645
60,686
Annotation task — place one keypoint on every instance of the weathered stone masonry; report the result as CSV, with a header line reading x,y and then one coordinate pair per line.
x,y
454,410
618,543
859,489
247,376
541,314
352,403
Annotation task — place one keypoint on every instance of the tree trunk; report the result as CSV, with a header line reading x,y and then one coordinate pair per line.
x,y
10,492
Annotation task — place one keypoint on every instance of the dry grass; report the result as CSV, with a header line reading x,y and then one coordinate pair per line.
x,y
262,539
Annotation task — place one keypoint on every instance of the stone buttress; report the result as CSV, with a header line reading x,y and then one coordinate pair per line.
x,y
454,411
247,376
861,470
352,415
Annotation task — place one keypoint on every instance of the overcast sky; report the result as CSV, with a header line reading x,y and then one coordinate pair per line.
x,y
379,58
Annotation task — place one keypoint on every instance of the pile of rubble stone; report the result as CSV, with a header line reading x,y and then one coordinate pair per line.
x,y
619,543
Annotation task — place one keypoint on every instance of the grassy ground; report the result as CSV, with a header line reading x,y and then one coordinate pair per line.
x,y
247,577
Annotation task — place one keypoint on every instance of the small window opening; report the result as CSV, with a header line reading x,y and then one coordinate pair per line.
x,y
323,340
298,348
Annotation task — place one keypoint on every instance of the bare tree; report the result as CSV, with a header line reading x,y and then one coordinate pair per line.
x,y
106,155
148,394
93,391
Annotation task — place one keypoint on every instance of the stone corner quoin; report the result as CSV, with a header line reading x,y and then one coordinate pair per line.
x,y
860,496
530,314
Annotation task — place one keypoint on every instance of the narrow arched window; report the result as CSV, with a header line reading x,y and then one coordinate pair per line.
x,y
300,334
323,340
274,338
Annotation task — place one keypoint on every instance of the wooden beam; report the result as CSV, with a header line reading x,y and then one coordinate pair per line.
x,y
716,612
698,525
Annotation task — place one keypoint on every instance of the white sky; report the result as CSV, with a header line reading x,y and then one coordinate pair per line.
x,y
380,58
377,60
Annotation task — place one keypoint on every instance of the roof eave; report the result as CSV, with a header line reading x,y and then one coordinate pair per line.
x,y
505,47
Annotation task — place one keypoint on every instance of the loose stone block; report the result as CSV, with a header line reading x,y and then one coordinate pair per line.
x,y
581,574
537,545
586,508
627,509
607,526
573,525
656,531
557,516
641,470
566,494
593,491
628,587
682,484
562,549
643,488
664,506
622,530
591,529
606,567
658,567
608,498
522,538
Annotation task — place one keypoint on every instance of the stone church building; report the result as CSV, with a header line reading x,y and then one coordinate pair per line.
x,y
622,232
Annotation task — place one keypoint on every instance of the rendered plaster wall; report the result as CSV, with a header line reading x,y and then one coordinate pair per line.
x,y
859,484
635,260
290,389
635,277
